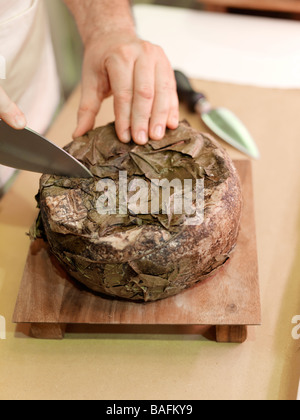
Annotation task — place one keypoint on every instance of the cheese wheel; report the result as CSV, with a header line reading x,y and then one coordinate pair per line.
x,y
130,232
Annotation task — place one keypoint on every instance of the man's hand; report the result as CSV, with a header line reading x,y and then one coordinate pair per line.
x,y
116,62
10,113
142,82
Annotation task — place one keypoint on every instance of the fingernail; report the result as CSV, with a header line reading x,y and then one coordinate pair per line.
x,y
143,137
175,122
159,131
126,137
20,121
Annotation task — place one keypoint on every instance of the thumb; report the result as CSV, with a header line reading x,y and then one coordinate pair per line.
x,y
91,100
10,113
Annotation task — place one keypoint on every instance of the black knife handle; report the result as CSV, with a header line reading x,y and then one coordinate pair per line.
x,y
186,92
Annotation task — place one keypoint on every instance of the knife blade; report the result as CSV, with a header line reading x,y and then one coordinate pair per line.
x,y
220,120
29,151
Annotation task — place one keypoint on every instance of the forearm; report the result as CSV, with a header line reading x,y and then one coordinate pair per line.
x,y
97,18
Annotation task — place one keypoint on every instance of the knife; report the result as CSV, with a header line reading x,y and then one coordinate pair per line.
x,y
220,120
29,151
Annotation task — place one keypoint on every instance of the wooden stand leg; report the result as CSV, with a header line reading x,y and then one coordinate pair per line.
x,y
48,331
231,333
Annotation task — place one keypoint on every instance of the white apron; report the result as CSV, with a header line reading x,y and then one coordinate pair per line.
x,y
31,75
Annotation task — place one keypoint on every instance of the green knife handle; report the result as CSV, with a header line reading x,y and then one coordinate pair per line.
x,y
185,91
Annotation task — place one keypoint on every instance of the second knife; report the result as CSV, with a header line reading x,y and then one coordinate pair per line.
x,y
220,120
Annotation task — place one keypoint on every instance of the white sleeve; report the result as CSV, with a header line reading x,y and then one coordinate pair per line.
x,y
28,64
31,74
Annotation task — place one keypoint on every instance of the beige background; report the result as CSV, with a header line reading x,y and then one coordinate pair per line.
x,y
143,364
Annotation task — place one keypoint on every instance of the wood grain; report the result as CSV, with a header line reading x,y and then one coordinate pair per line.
x,y
231,333
48,331
291,6
231,297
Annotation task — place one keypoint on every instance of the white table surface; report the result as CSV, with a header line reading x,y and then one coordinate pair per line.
x,y
223,47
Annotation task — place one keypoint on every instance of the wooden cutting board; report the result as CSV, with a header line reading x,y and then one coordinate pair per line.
x,y
228,301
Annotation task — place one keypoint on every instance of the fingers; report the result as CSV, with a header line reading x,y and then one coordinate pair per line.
x,y
142,81
10,113
144,89
121,81
143,98
91,99
165,107
155,102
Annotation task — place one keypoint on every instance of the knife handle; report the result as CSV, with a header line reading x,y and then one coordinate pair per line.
x,y
186,92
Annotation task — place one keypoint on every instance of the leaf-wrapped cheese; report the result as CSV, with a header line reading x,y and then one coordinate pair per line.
x,y
149,255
